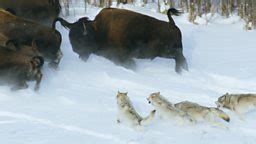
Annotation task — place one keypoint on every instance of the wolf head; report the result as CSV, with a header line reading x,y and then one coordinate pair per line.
x,y
223,100
122,98
154,97
120,94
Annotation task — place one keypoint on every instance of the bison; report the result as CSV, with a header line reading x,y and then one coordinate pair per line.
x,y
42,11
25,32
19,66
5,42
129,34
121,35
30,51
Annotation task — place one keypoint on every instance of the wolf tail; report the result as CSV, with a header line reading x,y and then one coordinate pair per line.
x,y
221,114
147,120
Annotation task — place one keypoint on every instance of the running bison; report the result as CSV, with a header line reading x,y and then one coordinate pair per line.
x,y
25,32
42,11
19,66
121,35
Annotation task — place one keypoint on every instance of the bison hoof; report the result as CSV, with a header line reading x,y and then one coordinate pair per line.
x,y
178,69
129,64
19,87
84,58
53,65
185,66
36,88
180,65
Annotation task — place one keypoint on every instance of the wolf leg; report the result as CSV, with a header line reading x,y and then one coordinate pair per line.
x,y
218,124
147,120
118,121
215,123
241,116
180,121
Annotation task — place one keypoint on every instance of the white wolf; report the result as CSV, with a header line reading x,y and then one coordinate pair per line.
x,y
127,113
166,109
239,103
200,113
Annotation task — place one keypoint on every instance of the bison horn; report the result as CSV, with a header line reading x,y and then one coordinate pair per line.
x,y
12,45
34,44
85,30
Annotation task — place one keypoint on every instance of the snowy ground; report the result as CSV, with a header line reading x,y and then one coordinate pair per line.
x,y
77,105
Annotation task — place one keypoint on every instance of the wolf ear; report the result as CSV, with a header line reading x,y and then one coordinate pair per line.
x,y
126,93
227,94
158,93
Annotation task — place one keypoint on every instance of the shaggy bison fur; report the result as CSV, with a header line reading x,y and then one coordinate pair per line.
x,y
42,11
25,32
19,66
121,35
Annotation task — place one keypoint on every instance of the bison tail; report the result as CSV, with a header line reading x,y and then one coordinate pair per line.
x,y
173,11
63,22
170,12
56,4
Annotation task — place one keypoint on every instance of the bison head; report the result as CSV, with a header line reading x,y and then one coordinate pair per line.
x,y
49,45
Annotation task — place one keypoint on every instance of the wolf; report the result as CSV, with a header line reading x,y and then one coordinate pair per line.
x,y
166,109
128,114
238,103
200,113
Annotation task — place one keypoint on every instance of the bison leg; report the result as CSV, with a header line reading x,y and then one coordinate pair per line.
x,y
84,57
128,63
20,85
54,64
181,63
39,76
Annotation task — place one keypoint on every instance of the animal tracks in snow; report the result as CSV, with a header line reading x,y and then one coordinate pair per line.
x,y
19,117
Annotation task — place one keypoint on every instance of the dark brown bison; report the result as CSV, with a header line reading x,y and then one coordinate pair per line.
x,y
129,34
3,39
29,51
19,66
42,11
121,35
81,36
25,32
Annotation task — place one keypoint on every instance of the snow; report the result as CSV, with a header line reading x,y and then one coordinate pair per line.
x,y
76,104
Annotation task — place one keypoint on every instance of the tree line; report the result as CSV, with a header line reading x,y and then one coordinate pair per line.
x,y
246,9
